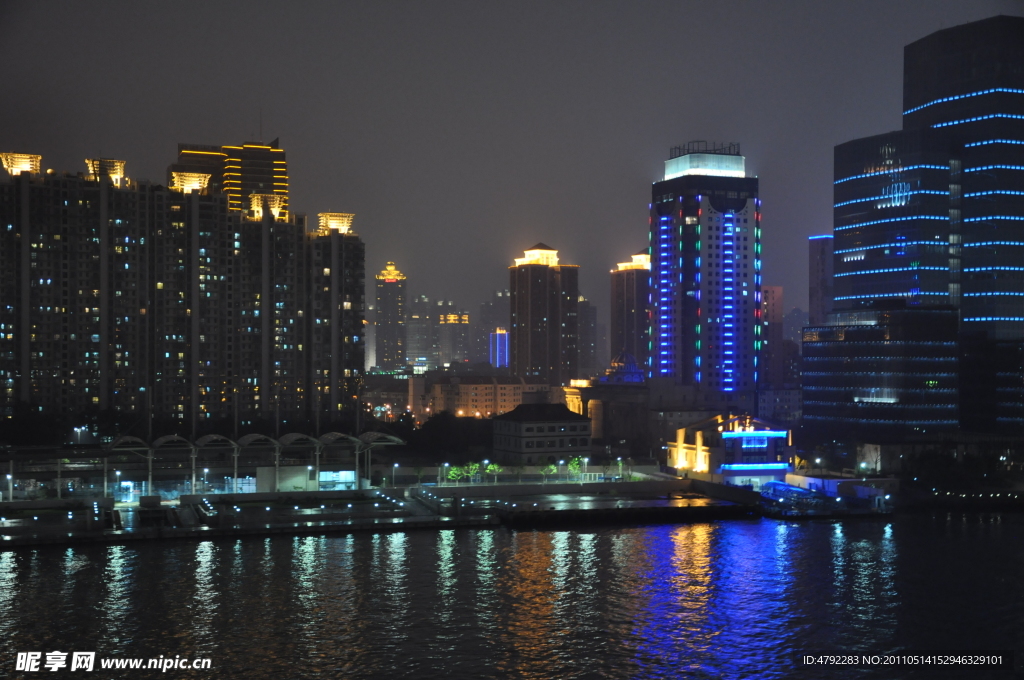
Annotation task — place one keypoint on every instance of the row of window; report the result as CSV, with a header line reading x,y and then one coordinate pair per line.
x,y
558,428
552,443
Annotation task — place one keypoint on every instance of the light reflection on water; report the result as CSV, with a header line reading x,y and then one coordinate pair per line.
x,y
721,600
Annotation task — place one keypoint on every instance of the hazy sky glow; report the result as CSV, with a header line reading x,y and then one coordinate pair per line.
x,y
461,133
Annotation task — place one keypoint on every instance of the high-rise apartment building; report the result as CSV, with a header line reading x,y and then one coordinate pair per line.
x,y
932,215
422,352
774,368
544,343
162,301
591,363
453,336
631,316
499,348
390,319
819,293
494,314
706,275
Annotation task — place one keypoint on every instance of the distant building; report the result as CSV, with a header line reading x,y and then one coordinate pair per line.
x,y
498,355
540,434
494,313
422,352
481,396
617,405
239,171
631,308
819,292
544,342
773,363
453,335
780,406
706,276
390,319
589,365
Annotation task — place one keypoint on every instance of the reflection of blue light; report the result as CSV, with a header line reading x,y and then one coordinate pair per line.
x,y
778,434
755,466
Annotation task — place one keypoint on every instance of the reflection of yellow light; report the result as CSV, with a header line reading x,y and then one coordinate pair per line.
x,y
538,256
390,273
339,222
640,261
16,163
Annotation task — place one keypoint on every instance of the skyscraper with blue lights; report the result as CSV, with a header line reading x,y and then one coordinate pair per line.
x,y
932,217
705,231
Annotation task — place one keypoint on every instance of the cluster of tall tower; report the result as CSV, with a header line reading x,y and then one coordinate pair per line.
x,y
917,298
202,301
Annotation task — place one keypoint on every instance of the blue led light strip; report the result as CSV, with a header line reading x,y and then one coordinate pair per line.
x,y
901,244
994,243
995,217
894,269
994,318
880,198
995,294
944,218
964,96
975,194
886,295
892,170
755,466
995,141
977,118
995,167
989,269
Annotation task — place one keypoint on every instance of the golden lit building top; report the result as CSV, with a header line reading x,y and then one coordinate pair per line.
x,y
273,202
390,272
641,260
339,222
539,254
16,163
107,167
187,182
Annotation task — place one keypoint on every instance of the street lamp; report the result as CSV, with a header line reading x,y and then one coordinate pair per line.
x,y
440,481
560,464
818,462
309,468
10,487
205,471
394,476
585,461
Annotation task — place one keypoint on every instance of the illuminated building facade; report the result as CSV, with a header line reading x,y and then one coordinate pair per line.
x,y
544,342
453,334
541,434
494,313
390,319
774,367
932,215
745,451
499,348
631,298
133,297
706,275
422,352
883,372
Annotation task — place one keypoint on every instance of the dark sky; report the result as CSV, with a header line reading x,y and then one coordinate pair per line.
x,y
461,133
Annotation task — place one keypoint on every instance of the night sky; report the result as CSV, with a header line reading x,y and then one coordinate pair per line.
x,y
461,133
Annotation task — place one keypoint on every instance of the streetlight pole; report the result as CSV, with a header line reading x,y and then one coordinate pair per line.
x,y
585,461
394,476
205,472
117,483
445,476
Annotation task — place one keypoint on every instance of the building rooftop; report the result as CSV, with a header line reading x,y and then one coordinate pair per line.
x,y
541,413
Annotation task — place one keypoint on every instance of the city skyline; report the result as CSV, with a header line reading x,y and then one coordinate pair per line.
x,y
491,107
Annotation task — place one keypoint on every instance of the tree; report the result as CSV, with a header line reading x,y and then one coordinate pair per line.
x,y
455,473
548,470
494,469
472,470
419,474
574,465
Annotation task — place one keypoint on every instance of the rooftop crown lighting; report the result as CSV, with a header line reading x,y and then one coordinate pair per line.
x,y
274,202
712,164
16,163
189,181
339,222
545,256
390,272
106,167
640,261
